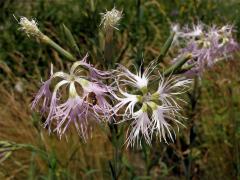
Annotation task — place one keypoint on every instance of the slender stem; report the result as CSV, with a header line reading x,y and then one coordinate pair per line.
x,y
115,163
110,63
234,121
108,49
194,96
139,44
166,47
58,48
186,68
177,65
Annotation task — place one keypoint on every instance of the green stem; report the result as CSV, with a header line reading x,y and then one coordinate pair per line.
x,y
58,48
109,59
166,47
108,49
139,45
177,65
194,96
114,164
188,67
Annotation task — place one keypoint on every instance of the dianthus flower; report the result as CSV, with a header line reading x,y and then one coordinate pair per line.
x,y
86,98
207,45
152,113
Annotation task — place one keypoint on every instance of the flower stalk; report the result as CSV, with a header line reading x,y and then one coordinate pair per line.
x,y
110,21
108,49
179,63
30,27
45,39
166,47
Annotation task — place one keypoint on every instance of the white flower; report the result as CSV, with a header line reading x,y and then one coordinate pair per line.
x,y
151,112
161,115
140,126
197,31
169,88
126,99
139,80
111,18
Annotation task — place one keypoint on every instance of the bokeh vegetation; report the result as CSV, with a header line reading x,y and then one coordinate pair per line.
x,y
208,148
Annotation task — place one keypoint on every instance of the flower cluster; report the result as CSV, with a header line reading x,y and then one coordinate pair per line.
x,y
207,45
88,98
151,101
151,112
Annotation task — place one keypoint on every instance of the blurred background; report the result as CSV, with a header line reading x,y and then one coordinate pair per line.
x,y
209,146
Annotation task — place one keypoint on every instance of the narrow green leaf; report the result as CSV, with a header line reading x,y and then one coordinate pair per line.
x,y
70,39
32,168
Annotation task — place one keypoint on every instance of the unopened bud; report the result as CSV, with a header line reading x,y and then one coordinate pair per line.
x,y
111,18
29,27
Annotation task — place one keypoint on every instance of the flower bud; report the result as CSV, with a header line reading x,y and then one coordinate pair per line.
x,y
29,27
111,18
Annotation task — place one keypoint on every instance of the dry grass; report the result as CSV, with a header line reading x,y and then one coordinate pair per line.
x,y
17,125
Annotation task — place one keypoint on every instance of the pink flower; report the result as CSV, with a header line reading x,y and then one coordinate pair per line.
x,y
88,99
45,93
207,45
